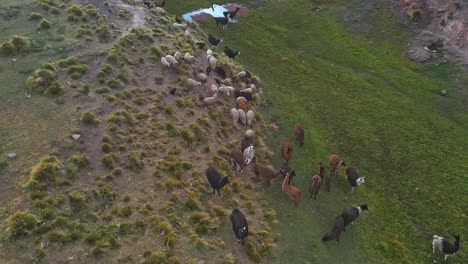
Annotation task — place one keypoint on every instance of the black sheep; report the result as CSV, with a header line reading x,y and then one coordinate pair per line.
x,y
239,225
246,95
349,215
353,178
214,41
336,231
220,71
215,179
231,53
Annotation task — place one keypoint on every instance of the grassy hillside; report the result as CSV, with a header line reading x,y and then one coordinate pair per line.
x,y
357,95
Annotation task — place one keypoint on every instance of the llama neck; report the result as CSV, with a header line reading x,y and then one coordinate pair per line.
x,y
223,182
285,181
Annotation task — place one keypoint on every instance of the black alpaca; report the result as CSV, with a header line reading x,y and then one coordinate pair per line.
x,y
349,215
231,14
231,53
215,179
214,41
336,231
239,225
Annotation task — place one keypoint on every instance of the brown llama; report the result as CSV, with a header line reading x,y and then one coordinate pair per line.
x,y
287,151
335,162
315,185
299,133
290,191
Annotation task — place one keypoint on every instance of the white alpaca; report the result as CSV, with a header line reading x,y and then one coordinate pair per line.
x,y
249,154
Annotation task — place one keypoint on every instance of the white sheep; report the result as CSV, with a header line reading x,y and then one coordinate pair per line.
x,y
187,33
234,116
242,116
178,55
210,100
250,134
171,60
192,82
188,58
250,117
247,90
241,98
160,11
165,63
209,52
180,26
213,62
226,90
214,88
209,57
202,77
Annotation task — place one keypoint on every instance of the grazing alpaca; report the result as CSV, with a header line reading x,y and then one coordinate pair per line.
x,y
350,215
287,171
238,161
335,162
221,20
231,53
353,178
445,246
320,170
265,172
290,190
249,154
215,179
330,179
231,14
315,185
287,151
214,41
336,231
239,225
299,133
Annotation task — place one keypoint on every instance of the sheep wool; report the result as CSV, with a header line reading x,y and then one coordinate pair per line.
x,y
250,117
165,63
234,115
213,62
171,60
242,116
188,58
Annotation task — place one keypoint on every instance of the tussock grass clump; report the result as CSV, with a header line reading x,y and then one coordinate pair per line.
x,y
115,84
45,172
108,161
67,62
44,24
16,45
154,257
202,222
78,200
121,116
35,16
77,71
89,118
19,224
116,54
103,90
105,147
134,161
193,201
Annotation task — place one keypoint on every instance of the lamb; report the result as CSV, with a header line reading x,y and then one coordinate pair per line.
x,y
350,215
239,225
193,83
445,246
234,116
165,62
336,231
249,154
299,133
221,20
231,53
210,100
238,161
214,41
213,61
353,178
242,117
250,117
226,90
315,185
215,180
172,60
188,57
265,172
180,26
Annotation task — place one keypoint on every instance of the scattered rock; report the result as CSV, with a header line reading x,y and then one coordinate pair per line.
x,y
443,92
11,155
76,136
13,60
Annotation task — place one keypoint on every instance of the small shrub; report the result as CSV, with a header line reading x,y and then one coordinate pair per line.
x,y
89,118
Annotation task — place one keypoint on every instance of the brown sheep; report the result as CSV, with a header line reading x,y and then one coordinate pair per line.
x,y
287,151
290,190
335,162
265,172
242,104
299,133
315,185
